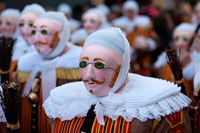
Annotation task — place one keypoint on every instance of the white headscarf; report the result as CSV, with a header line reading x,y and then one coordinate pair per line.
x,y
11,12
103,8
185,27
114,39
33,8
100,14
131,4
65,8
63,35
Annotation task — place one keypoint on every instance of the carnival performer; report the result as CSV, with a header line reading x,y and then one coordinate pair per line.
x,y
54,62
93,20
109,99
67,10
9,22
23,43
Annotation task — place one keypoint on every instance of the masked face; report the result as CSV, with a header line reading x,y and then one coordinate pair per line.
x,y
7,26
181,39
129,14
25,25
91,22
99,67
45,35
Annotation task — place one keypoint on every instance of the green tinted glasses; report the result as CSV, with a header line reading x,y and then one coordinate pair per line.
x,y
98,65
22,24
43,32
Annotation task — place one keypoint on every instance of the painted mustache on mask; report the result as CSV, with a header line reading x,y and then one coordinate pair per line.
x,y
41,43
95,81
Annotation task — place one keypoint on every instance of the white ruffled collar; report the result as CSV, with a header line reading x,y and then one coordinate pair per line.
x,y
68,60
2,116
142,98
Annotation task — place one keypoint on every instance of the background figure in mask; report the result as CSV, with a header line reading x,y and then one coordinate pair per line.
x,y
67,10
93,20
23,43
54,63
9,22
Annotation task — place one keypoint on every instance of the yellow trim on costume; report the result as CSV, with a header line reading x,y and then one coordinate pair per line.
x,y
155,124
70,74
22,76
198,88
174,119
61,73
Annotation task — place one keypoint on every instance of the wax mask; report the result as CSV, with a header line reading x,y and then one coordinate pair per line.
x,y
25,24
45,35
99,67
91,22
181,39
129,14
7,26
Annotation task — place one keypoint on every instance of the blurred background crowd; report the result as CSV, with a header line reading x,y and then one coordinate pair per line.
x,y
151,27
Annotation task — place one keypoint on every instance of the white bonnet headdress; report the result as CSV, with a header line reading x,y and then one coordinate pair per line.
x,y
33,8
113,38
131,4
185,27
98,13
103,8
63,35
65,8
11,12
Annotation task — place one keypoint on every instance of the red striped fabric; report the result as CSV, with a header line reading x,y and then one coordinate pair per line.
x,y
74,126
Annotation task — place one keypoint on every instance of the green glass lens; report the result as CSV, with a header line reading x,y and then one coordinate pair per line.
x,y
99,65
31,24
8,23
33,32
21,24
83,64
44,32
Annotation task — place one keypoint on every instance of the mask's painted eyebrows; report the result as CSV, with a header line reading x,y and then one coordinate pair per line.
x,y
43,26
31,21
98,59
85,58
22,20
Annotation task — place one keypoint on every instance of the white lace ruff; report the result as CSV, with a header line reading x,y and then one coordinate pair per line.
x,y
66,102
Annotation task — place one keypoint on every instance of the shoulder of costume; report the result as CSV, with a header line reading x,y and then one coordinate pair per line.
x,y
119,21
79,35
76,22
71,58
142,20
161,60
28,61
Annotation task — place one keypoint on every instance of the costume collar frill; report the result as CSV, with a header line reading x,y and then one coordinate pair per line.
x,y
35,63
2,116
21,48
142,98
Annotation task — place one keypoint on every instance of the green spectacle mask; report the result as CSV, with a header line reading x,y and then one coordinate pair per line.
x,y
98,65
